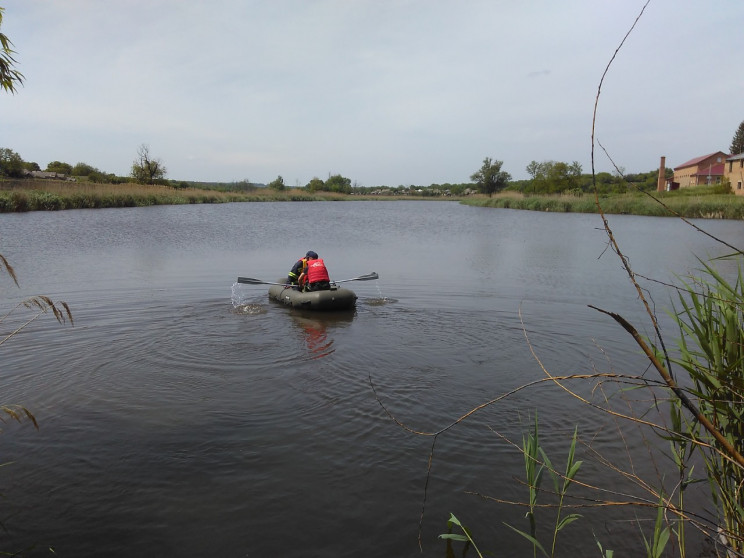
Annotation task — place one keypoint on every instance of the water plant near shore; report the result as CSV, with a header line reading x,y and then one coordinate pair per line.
x,y
703,206
26,195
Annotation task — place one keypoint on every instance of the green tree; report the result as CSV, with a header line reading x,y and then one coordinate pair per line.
x,y
338,183
146,169
11,164
31,166
538,173
534,169
277,183
84,169
490,178
9,77
737,143
315,185
59,167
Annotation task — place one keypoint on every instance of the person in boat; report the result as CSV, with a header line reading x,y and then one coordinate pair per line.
x,y
299,267
315,277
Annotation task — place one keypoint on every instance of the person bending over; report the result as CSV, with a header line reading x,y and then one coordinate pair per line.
x,y
315,277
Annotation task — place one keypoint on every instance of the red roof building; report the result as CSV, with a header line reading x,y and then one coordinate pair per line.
x,y
700,171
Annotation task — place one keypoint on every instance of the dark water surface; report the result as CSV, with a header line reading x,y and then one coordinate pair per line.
x,y
186,415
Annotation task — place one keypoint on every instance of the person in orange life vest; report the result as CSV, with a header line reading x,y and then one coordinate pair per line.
x,y
299,267
315,278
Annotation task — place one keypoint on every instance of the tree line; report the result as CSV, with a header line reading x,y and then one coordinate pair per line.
x,y
145,169
546,177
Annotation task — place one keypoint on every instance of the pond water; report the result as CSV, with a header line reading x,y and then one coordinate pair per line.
x,y
187,415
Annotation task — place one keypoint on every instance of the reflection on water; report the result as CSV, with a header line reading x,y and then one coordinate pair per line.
x,y
315,328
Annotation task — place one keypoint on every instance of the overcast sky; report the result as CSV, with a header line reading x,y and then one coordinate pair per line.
x,y
384,92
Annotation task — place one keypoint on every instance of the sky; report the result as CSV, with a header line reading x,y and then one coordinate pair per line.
x,y
383,92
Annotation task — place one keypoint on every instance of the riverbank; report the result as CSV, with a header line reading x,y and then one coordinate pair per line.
x,y
694,204
51,195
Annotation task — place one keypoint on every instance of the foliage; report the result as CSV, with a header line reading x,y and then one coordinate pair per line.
x,y
315,185
83,169
536,461
711,344
656,546
339,184
11,164
490,178
9,76
146,169
704,204
59,167
737,142
553,177
466,537
277,183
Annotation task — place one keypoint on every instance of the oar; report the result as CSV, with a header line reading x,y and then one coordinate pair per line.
x,y
369,277
251,281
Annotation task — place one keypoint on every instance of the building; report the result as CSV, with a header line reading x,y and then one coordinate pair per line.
x,y
701,171
734,171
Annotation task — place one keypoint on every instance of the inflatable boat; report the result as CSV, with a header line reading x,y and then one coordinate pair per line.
x,y
336,298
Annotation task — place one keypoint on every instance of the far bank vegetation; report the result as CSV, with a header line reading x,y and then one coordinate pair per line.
x,y
554,186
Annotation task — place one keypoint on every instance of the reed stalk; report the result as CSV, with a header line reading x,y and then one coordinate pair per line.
x,y
711,351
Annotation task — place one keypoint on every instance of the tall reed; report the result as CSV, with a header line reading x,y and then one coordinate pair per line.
x,y
711,351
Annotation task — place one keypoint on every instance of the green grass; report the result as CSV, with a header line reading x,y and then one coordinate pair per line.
x,y
50,195
691,205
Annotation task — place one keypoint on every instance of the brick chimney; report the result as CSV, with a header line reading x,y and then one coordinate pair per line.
x,y
661,184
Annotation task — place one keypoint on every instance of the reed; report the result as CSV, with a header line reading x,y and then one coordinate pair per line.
x,y
37,305
692,206
711,348
49,195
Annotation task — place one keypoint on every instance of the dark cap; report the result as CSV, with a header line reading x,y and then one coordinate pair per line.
x,y
312,255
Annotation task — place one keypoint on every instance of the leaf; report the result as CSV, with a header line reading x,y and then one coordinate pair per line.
x,y
530,538
454,537
453,521
573,470
567,520
661,542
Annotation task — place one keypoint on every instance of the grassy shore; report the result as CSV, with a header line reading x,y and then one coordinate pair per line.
x,y
50,195
692,204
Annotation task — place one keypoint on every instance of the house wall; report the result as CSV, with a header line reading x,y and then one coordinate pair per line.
x,y
686,176
734,171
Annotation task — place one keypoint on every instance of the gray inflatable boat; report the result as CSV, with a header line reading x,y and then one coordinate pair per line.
x,y
337,298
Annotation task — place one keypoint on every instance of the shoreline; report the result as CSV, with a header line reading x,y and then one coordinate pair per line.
x,y
18,196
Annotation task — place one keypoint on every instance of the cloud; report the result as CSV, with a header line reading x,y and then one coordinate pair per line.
x,y
408,92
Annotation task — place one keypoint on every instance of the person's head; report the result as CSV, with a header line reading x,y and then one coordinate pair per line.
x,y
311,255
